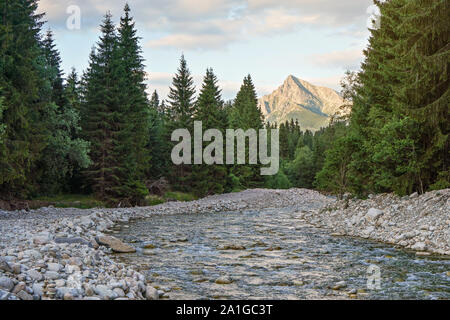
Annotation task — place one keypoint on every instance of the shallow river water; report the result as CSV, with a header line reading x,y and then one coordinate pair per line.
x,y
272,254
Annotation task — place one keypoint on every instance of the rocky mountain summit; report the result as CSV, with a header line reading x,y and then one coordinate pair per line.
x,y
300,100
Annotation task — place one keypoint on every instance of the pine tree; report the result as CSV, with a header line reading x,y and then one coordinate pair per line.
x,y
210,178
65,151
20,81
101,117
181,97
423,96
398,133
245,115
181,112
73,91
2,125
132,149
154,101
53,70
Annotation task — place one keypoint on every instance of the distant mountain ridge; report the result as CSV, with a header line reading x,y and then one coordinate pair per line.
x,y
300,100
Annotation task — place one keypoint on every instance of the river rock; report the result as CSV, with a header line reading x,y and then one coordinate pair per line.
x,y
51,275
22,295
4,265
68,296
340,285
419,246
115,244
19,287
151,293
224,280
373,214
72,240
119,292
6,283
35,275
37,289
4,295
231,247
54,267
105,292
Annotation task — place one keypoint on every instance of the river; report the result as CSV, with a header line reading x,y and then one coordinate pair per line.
x,y
273,254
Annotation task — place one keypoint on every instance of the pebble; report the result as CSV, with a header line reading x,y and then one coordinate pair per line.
x,y
339,285
151,293
6,283
224,280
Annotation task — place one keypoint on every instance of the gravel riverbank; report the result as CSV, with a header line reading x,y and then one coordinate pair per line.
x,y
54,253
420,223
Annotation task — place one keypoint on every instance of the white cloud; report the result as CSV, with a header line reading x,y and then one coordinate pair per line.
x,y
347,59
205,24
332,82
161,81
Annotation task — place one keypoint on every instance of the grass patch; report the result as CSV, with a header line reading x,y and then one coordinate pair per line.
x,y
153,200
179,196
88,201
71,201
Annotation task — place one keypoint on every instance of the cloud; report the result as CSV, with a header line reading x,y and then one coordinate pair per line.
x,y
161,81
332,82
346,59
331,12
210,24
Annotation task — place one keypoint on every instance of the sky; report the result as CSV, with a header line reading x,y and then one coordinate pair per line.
x,y
315,40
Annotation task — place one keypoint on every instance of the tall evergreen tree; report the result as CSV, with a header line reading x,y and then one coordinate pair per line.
x,y
154,101
245,115
53,70
181,97
210,178
132,149
180,111
398,134
20,82
101,117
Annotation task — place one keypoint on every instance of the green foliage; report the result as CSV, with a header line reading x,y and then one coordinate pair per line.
x,y
180,114
69,201
181,98
301,169
245,114
278,181
398,135
116,115
2,125
65,152
179,196
334,176
20,80
153,200
210,178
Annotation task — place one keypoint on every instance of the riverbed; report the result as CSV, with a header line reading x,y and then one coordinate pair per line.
x,y
274,254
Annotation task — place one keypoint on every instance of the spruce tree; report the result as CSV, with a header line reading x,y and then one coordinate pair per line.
x,y
154,101
64,151
398,133
181,97
101,117
210,178
20,82
245,115
53,70
132,149
180,111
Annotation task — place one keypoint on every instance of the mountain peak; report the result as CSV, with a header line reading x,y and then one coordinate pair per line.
x,y
300,100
